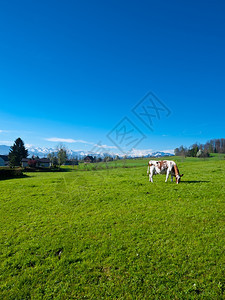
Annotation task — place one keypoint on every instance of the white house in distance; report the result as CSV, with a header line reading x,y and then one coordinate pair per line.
x,y
4,160
40,162
24,162
44,162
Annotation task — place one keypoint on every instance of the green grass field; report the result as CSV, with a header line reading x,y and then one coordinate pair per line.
x,y
108,233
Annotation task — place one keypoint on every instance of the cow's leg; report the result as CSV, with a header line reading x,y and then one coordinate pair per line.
x,y
151,173
167,175
150,177
171,178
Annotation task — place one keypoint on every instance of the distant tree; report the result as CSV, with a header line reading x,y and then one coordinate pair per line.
x,y
182,151
193,150
35,157
212,146
176,151
61,154
55,162
199,153
216,146
53,159
17,152
107,158
202,154
99,159
74,161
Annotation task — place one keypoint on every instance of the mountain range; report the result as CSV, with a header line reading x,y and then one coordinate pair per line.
x,y
43,152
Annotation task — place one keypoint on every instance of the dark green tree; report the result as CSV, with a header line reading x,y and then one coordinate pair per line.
x,y
17,152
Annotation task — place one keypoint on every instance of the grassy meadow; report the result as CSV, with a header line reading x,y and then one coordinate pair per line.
x,y
104,232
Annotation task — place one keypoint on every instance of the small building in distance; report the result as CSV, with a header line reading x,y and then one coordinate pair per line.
x,y
88,159
40,162
43,162
24,162
4,160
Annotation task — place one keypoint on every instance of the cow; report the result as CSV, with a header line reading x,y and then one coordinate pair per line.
x,y
163,167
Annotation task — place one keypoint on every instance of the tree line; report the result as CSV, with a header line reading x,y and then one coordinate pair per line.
x,y
18,151
58,158
202,150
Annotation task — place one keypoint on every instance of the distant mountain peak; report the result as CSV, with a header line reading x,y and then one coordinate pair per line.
x,y
44,151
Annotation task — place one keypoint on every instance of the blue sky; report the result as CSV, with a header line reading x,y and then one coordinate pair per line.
x,y
71,71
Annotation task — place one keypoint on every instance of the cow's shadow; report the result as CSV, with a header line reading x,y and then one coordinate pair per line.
x,y
194,181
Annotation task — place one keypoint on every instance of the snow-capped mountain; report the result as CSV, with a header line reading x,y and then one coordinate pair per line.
x,y
38,151
149,153
159,153
43,152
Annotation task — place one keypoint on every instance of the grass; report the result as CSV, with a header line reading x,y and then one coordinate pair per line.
x,y
110,234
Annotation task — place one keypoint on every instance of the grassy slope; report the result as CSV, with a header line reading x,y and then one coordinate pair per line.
x,y
110,233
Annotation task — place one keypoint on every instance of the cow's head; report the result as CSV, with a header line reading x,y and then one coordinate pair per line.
x,y
178,177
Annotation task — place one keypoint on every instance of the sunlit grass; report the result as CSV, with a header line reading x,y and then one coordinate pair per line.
x,y
109,233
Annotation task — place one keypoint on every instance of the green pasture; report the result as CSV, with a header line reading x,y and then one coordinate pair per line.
x,y
104,232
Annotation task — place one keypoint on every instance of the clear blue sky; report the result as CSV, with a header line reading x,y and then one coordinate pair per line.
x,y
72,70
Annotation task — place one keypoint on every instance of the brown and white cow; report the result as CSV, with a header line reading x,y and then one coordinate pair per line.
x,y
163,167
